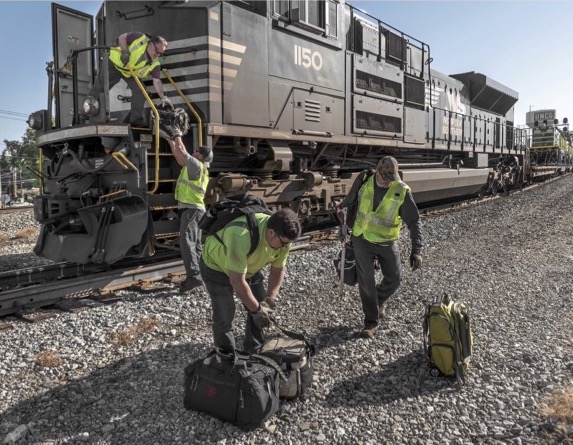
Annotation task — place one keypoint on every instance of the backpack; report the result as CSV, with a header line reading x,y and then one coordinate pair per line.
x,y
224,212
448,339
236,387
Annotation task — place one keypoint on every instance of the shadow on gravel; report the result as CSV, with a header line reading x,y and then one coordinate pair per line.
x,y
332,336
134,400
406,377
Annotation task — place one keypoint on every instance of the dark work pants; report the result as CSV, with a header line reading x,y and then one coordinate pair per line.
x,y
371,294
223,305
190,240
137,98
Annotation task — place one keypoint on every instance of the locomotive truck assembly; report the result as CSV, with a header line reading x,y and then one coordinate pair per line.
x,y
294,97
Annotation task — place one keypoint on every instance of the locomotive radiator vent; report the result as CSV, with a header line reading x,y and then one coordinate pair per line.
x,y
378,122
311,111
378,85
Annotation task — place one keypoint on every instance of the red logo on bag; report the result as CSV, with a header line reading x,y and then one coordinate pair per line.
x,y
211,391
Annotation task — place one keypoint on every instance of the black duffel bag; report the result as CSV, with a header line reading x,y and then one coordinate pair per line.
x,y
239,388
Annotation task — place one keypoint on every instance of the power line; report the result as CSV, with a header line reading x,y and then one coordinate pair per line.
x,y
13,118
14,113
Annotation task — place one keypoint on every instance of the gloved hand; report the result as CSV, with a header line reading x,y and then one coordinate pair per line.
x,y
271,303
341,213
415,261
262,318
166,102
343,233
124,57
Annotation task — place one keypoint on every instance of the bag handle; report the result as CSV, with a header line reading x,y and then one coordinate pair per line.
x,y
235,355
270,362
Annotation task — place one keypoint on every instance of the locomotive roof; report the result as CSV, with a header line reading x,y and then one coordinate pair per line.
x,y
488,94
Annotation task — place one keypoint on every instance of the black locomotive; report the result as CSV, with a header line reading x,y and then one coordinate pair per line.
x,y
294,97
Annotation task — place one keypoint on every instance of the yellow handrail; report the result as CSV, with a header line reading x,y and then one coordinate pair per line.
x,y
156,139
197,117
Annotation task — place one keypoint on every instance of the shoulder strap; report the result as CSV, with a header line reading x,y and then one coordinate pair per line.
x,y
253,227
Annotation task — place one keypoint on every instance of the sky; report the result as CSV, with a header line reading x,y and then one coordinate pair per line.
x,y
525,45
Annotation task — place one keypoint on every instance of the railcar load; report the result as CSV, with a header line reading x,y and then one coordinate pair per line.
x,y
295,98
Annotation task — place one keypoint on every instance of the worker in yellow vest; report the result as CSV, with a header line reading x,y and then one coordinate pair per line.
x,y
141,52
190,193
381,202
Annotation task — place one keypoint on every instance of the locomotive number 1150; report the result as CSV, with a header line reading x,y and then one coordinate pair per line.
x,y
307,58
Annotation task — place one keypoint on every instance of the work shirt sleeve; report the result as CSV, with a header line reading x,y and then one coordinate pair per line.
x,y
411,217
352,196
193,167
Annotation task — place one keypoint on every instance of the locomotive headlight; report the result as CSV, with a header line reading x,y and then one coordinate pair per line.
x,y
91,106
35,120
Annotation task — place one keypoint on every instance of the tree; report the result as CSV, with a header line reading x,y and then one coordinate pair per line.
x,y
16,160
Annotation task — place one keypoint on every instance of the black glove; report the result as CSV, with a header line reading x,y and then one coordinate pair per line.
x,y
262,318
124,57
415,261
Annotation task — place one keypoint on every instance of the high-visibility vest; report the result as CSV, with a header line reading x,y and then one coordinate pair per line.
x,y
192,191
384,223
138,59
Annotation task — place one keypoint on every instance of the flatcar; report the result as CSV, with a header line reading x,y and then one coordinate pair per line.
x,y
294,97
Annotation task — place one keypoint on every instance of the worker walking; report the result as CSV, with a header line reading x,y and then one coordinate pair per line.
x,y
381,202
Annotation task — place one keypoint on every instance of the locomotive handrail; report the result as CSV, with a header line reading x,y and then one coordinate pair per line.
x,y
197,117
156,127
126,163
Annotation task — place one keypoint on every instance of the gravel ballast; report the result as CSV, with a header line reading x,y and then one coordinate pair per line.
x,y
113,374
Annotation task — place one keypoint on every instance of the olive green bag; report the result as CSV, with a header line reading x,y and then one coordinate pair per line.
x,y
448,339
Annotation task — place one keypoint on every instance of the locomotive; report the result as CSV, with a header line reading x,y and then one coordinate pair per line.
x,y
294,97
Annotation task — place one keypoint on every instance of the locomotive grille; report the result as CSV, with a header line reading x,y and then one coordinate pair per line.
x,y
415,91
376,84
395,47
311,111
378,122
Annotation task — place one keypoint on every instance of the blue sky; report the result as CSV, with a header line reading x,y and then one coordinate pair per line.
x,y
524,45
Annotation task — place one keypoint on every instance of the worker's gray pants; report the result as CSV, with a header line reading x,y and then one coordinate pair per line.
x,y
374,295
190,240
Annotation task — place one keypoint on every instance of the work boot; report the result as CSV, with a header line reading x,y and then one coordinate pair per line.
x,y
367,332
189,284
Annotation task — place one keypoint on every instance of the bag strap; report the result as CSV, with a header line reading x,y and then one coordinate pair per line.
x,y
270,362
251,225
294,335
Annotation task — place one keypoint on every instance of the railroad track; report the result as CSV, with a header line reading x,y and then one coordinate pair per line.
x,y
14,209
25,292
58,286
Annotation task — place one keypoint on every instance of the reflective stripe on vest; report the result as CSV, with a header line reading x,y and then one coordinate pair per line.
x,y
383,224
138,59
192,192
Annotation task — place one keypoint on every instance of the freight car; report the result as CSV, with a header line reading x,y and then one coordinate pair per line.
x,y
294,97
